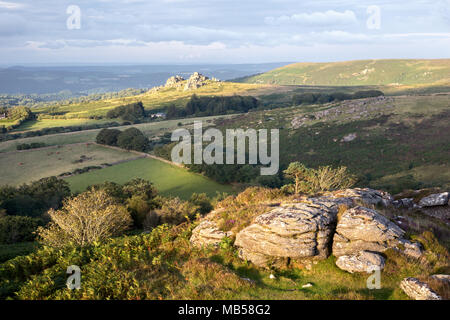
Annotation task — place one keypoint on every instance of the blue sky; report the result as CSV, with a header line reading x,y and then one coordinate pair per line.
x,y
222,31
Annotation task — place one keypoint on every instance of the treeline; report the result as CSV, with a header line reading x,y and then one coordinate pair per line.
x,y
33,145
133,112
312,98
54,130
62,98
212,106
129,139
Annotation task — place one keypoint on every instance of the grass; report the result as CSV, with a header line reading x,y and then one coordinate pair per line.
x,y
168,179
31,125
392,73
401,143
22,167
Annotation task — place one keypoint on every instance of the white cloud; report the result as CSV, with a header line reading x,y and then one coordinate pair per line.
x,y
10,5
327,18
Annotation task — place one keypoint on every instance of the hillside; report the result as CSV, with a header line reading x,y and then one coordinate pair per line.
x,y
360,72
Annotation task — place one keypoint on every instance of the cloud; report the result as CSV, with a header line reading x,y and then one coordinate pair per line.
x,y
327,18
10,5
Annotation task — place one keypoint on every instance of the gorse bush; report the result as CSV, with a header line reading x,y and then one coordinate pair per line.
x,y
90,217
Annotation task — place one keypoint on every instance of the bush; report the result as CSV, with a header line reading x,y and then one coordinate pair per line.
x,y
15,229
90,217
202,201
176,211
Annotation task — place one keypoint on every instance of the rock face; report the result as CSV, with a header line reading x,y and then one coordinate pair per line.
x,y
196,81
207,233
175,81
418,290
365,195
349,137
363,261
438,199
295,230
404,203
441,277
362,229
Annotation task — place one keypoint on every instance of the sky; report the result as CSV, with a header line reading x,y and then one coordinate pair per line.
x,y
220,31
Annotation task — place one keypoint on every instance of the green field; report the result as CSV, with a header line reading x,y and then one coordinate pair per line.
x,y
26,166
168,179
359,73
51,123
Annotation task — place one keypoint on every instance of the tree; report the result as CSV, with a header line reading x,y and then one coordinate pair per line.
x,y
313,181
132,139
108,137
296,171
19,113
90,217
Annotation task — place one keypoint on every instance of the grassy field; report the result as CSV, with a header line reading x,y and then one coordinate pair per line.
x,y
361,72
168,179
25,166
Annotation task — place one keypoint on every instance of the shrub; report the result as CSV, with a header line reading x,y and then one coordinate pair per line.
x,y
176,211
17,229
90,217
202,201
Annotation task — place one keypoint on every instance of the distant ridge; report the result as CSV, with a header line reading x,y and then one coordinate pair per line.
x,y
359,72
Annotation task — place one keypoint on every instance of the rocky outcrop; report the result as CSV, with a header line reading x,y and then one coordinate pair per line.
x,y
362,229
174,82
208,233
438,199
196,81
363,261
442,278
365,196
418,290
293,230
403,203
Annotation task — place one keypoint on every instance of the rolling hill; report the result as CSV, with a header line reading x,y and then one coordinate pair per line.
x,y
361,73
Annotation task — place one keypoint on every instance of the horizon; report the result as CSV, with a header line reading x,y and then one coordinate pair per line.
x,y
168,64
